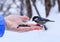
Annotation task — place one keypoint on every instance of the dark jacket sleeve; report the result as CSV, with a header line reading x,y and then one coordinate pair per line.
x,y
2,26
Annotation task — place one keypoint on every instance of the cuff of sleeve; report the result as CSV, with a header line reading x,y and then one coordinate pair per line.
x,y
2,26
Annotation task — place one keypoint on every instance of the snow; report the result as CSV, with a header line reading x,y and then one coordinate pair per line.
x,y
51,35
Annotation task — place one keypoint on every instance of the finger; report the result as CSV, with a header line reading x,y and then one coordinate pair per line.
x,y
36,27
24,18
25,29
33,24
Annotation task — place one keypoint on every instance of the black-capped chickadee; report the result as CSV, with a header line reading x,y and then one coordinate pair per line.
x,y
41,21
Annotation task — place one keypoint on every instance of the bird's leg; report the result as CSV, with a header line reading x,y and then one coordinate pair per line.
x,y
45,27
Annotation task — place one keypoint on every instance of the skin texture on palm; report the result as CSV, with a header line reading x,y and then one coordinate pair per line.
x,y
12,22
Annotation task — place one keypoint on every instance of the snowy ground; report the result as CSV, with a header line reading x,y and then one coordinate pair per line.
x,y
51,35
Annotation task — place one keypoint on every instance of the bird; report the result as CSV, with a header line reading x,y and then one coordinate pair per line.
x,y
41,21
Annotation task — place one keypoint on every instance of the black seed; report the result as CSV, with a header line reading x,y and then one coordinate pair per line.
x,y
23,25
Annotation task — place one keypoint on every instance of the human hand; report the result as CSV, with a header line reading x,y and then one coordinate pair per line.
x,y
12,22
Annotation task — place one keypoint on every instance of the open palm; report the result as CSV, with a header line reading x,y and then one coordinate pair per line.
x,y
12,21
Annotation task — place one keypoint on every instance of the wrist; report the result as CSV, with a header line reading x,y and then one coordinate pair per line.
x,y
5,23
9,26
